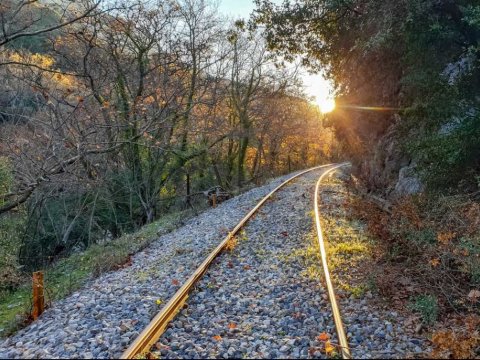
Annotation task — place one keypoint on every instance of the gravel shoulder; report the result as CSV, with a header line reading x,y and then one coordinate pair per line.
x,y
106,315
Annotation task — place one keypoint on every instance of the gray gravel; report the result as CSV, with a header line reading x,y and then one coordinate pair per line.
x,y
253,302
103,318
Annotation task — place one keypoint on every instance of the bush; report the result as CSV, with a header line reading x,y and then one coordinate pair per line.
x,y
10,226
427,306
10,274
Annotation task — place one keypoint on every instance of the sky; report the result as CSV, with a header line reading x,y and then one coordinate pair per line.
x,y
236,8
315,85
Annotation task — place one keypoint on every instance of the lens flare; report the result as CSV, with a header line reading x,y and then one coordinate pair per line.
x,y
370,108
326,105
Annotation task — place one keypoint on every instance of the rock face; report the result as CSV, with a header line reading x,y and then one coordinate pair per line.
x,y
408,183
388,170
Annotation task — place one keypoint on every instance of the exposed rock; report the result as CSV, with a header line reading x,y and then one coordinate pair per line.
x,y
408,182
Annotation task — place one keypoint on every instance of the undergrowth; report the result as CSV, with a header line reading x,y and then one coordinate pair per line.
x,y
430,261
69,274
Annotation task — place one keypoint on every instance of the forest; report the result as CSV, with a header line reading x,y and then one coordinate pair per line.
x,y
116,114
104,121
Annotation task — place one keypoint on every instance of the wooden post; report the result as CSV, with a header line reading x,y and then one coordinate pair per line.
x,y
38,296
214,200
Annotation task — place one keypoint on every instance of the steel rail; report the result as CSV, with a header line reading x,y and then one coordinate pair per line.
x,y
157,326
342,339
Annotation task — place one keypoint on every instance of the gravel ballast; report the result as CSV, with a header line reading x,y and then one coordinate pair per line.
x,y
255,301
103,318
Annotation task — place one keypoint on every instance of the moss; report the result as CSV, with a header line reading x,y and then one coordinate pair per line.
x,y
346,243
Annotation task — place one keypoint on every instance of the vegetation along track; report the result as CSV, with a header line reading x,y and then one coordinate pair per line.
x,y
158,325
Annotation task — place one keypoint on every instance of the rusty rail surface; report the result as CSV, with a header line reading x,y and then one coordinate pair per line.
x,y
157,326
342,339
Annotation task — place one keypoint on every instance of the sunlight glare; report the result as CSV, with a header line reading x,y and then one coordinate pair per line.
x,y
326,105
321,90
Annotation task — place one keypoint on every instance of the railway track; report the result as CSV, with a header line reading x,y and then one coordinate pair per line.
x,y
148,337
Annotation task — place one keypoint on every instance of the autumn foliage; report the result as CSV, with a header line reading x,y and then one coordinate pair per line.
x,y
124,114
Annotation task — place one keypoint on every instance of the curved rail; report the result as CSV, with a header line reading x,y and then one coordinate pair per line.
x,y
342,339
157,326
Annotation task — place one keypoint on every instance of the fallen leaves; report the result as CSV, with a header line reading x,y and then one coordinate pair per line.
x,y
217,338
175,282
323,337
328,347
231,243
445,237
232,326
435,262
127,263
451,345
474,295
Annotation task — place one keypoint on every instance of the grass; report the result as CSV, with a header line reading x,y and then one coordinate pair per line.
x,y
346,243
70,274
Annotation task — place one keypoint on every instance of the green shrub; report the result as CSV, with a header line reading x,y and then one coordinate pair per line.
x,y
427,307
422,237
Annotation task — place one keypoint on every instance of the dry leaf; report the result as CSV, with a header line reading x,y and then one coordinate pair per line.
x,y
329,348
323,337
445,237
474,295
435,262
175,282
232,326
217,337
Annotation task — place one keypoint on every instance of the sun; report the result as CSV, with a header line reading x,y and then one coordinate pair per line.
x,y
326,105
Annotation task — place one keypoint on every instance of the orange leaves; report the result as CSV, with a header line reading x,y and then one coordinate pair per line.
x,y
435,262
445,237
217,338
328,347
451,345
323,337
232,326
149,100
231,243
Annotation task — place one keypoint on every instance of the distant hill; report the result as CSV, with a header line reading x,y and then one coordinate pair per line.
x,y
36,16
